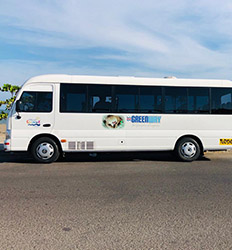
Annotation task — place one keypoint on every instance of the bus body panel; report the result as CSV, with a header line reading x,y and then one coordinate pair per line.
x,y
85,127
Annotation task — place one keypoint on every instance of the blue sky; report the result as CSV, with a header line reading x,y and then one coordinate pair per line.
x,y
150,38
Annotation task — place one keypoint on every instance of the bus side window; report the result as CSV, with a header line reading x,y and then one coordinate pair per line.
x,y
100,98
221,100
150,99
198,100
175,100
73,98
126,98
32,101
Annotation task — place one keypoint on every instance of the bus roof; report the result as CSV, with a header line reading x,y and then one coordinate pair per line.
x,y
59,78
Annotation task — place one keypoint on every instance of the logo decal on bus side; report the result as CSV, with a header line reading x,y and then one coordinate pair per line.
x,y
33,122
113,121
144,119
226,141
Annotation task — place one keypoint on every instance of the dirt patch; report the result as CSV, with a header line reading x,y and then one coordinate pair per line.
x,y
2,132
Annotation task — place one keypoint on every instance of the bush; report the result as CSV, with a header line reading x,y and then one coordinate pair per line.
x,y
13,89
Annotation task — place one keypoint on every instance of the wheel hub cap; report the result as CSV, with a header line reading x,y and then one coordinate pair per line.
x,y
188,149
45,150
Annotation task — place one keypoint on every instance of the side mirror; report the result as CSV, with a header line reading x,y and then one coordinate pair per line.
x,y
18,106
18,109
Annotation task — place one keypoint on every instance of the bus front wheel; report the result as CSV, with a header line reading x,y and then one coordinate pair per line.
x,y
45,150
187,149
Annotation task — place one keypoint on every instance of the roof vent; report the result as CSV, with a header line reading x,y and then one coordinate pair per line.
x,y
169,77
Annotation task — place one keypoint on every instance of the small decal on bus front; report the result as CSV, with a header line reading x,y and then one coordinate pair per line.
x,y
33,122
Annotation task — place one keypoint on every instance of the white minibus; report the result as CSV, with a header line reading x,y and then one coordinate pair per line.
x,y
54,114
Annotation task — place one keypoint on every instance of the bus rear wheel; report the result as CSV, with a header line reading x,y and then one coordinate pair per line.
x,y
45,150
187,149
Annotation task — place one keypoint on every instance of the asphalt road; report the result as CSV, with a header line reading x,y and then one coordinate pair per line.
x,y
117,201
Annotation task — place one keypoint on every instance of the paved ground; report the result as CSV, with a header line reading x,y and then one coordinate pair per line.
x,y
119,201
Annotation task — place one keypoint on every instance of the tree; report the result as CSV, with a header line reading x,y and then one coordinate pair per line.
x,y
13,89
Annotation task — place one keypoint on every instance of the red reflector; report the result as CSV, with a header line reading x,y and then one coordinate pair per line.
x,y
7,143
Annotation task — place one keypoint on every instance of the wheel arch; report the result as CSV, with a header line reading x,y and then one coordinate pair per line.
x,y
196,138
53,137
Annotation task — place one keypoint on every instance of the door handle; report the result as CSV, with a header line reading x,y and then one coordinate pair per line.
x,y
47,125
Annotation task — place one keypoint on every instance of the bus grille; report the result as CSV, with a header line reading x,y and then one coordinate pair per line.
x,y
72,145
80,145
90,145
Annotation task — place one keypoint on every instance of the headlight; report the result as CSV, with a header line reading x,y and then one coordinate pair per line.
x,y
8,134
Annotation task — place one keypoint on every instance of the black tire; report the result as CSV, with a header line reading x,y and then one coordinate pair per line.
x,y
45,150
187,149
